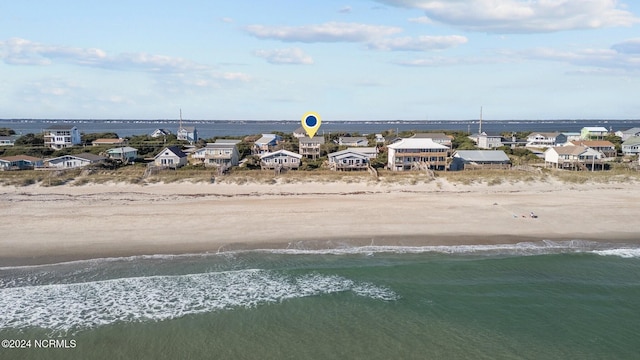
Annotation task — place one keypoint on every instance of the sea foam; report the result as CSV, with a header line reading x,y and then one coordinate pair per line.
x,y
78,306
623,252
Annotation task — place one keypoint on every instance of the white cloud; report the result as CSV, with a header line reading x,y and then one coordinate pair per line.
x,y
25,52
345,9
420,43
226,20
522,16
285,56
327,32
421,20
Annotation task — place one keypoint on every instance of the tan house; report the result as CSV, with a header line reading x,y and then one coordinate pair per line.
x,y
607,148
221,153
573,158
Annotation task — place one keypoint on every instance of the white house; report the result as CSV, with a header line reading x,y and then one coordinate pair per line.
x,y
61,136
572,157
160,132
171,157
73,161
479,159
629,133
407,154
631,146
485,141
348,159
606,148
281,159
299,133
353,141
125,153
187,133
7,141
222,153
545,139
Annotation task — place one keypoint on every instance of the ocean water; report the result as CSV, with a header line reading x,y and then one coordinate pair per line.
x,y
544,300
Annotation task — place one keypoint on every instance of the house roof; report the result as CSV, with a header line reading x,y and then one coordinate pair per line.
x,y
360,150
90,157
569,150
281,152
300,130
267,138
175,150
595,129
632,131
121,150
347,153
416,143
352,139
593,143
228,141
634,140
108,141
187,129
482,155
314,140
545,134
20,157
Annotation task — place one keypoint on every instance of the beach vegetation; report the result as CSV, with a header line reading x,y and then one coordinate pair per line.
x,y
7,132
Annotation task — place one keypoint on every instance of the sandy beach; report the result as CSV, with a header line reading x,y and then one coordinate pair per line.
x,y
51,224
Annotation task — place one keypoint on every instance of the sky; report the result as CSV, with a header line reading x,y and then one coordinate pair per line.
x,y
345,60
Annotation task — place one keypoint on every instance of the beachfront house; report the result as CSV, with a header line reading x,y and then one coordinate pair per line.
x,y
353,141
124,153
171,157
187,133
631,146
109,142
311,148
265,144
380,139
221,153
629,133
281,159
74,161
479,159
438,138
606,148
593,133
20,162
545,139
61,136
349,159
416,154
487,141
572,158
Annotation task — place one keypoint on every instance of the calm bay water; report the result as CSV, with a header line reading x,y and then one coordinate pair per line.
x,y
211,128
547,300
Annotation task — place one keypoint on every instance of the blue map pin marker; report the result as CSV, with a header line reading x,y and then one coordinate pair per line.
x,y
311,123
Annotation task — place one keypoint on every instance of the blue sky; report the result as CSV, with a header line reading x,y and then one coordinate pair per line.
x,y
346,60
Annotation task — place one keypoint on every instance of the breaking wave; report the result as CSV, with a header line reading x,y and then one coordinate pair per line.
x,y
71,307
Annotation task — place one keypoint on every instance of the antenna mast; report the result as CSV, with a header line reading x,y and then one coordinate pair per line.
x,y
480,128
180,119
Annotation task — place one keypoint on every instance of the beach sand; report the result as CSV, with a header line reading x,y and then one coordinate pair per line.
x,y
52,224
